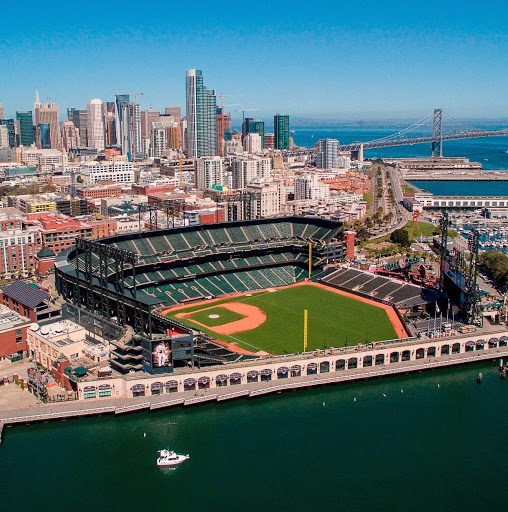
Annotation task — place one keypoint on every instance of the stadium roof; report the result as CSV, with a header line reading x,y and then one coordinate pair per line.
x,y
25,294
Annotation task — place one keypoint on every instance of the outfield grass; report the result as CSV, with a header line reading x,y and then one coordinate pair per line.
x,y
225,316
333,320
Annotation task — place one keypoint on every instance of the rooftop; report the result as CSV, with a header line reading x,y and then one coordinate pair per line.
x,y
25,294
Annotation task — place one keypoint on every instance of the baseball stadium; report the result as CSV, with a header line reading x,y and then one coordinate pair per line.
x,y
226,292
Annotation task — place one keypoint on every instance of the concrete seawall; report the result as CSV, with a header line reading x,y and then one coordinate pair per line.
x,y
47,412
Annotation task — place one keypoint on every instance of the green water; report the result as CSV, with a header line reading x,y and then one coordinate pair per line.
x,y
428,448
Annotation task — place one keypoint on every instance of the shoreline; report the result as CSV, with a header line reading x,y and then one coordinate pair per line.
x,y
97,407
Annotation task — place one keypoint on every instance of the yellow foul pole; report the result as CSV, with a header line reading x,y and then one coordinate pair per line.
x,y
310,259
305,331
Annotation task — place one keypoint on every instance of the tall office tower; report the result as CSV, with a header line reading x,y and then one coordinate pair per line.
x,y
281,131
94,125
2,114
109,122
43,135
25,128
201,116
327,156
131,131
79,118
176,112
251,125
147,118
120,100
9,123
70,135
47,113
209,172
4,137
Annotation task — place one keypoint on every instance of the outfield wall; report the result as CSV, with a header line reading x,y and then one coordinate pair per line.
x,y
324,363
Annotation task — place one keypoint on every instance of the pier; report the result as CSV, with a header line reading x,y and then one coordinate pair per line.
x,y
63,411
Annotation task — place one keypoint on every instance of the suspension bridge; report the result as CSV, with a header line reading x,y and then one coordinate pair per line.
x,y
404,138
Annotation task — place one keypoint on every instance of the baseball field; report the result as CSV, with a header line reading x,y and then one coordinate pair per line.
x,y
272,321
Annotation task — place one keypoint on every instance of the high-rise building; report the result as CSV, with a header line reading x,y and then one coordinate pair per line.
x,y
327,156
80,119
251,125
4,137
281,131
121,99
252,143
147,118
246,169
268,140
309,186
131,131
109,121
209,172
70,135
176,112
94,124
25,127
47,113
201,116
2,114
223,129
43,136
9,123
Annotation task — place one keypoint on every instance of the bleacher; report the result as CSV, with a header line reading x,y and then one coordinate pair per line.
x,y
400,293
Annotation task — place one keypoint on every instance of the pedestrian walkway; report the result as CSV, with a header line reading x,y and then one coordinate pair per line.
x,y
46,412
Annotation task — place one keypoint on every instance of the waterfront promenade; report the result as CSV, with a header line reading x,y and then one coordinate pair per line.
x,y
63,411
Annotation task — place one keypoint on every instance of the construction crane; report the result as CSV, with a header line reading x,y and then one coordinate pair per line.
x,y
243,110
222,96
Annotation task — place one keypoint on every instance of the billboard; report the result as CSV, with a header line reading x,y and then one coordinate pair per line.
x,y
161,354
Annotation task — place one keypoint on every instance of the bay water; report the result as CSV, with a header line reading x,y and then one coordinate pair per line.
x,y
429,441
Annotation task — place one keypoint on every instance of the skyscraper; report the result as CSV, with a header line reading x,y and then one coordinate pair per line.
x,y
10,130
147,118
4,137
25,128
94,125
43,136
70,135
130,120
201,116
121,99
251,125
176,112
281,131
1,111
47,113
109,117
79,119
327,156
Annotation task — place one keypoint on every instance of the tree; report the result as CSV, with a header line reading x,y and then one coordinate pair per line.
x,y
401,237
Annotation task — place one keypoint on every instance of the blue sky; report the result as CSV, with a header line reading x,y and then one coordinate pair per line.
x,y
339,60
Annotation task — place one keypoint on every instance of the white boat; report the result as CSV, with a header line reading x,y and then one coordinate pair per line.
x,y
169,458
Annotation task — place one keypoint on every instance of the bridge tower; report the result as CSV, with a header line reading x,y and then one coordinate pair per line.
x,y
437,133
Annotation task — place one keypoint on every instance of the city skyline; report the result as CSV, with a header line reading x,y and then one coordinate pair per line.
x,y
311,63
